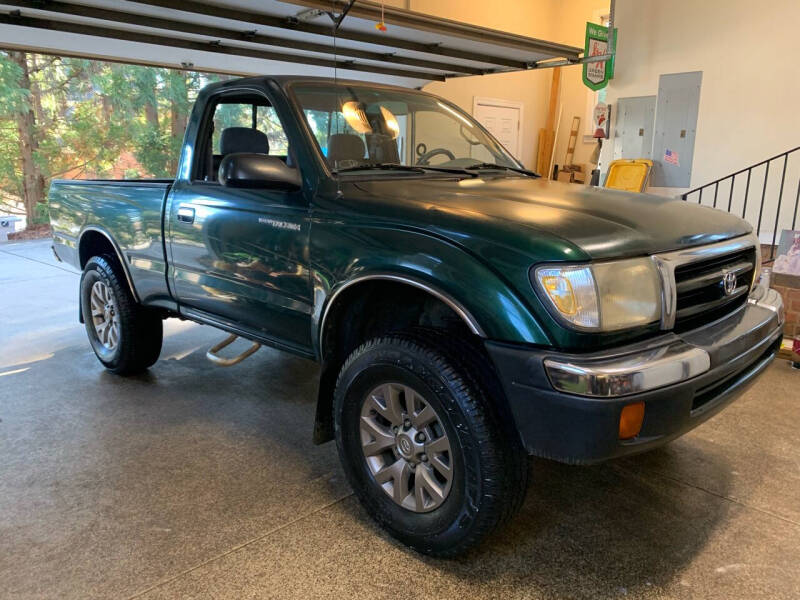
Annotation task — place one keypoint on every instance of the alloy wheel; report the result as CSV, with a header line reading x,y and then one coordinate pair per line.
x,y
104,315
406,447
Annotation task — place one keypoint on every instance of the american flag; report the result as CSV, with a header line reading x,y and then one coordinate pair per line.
x,y
671,157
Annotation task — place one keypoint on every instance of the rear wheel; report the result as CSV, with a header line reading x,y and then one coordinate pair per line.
x,y
422,445
125,336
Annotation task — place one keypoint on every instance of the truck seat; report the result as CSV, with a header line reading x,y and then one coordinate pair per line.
x,y
382,148
243,139
345,147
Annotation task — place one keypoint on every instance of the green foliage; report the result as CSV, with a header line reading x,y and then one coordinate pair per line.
x,y
93,119
152,149
42,214
9,148
13,98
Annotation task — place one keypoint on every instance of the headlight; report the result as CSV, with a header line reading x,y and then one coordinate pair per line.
x,y
603,296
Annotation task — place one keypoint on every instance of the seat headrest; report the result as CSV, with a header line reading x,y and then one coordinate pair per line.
x,y
382,148
343,147
243,139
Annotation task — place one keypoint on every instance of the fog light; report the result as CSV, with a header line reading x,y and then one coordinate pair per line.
x,y
630,420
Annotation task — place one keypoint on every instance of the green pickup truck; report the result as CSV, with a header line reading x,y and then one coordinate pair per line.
x,y
465,312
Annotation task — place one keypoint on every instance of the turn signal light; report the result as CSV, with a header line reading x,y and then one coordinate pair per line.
x,y
560,291
630,420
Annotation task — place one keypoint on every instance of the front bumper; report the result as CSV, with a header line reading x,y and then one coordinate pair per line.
x,y
683,379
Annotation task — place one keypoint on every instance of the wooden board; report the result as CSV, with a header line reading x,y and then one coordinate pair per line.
x,y
572,141
547,135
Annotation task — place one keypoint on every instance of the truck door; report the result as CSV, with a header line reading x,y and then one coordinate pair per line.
x,y
239,257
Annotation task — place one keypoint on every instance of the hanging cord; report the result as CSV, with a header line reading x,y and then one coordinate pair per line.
x,y
382,25
337,21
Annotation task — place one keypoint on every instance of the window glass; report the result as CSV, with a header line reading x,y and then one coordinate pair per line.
x,y
319,122
241,115
268,122
359,124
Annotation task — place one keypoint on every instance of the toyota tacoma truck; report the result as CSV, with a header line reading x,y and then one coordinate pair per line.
x,y
465,312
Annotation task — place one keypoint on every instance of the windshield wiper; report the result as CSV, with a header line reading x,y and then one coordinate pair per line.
x,y
457,170
380,167
488,165
399,167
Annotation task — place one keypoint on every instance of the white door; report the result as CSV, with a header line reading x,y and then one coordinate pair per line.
x,y
503,118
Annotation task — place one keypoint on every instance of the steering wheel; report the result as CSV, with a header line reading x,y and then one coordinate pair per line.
x,y
426,157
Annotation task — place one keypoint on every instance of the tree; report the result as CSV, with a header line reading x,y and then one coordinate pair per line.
x,y
58,127
13,98
76,118
27,136
177,86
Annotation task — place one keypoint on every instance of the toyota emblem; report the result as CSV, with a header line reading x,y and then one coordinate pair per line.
x,y
729,283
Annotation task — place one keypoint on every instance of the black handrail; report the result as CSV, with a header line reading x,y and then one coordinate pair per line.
x,y
749,170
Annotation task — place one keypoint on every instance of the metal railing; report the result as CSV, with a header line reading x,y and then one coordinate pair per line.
x,y
772,194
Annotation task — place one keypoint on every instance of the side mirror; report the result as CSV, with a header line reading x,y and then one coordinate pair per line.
x,y
249,170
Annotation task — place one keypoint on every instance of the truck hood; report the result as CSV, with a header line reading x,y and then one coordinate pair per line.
x,y
599,222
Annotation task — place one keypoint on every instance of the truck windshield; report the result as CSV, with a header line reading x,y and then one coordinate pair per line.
x,y
372,127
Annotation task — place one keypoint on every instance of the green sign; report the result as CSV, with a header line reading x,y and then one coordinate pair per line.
x,y
597,74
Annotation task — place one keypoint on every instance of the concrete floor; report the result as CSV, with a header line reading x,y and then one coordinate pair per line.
x,y
196,482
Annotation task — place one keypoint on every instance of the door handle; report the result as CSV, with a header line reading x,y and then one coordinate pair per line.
x,y
185,214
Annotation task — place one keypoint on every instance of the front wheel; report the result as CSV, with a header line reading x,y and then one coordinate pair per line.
x,y
125,337
422,445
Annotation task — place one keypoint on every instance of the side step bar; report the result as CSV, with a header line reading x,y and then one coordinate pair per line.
x,y
218,360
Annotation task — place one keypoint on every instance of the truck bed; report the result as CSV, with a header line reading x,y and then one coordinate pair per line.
x,y
128,213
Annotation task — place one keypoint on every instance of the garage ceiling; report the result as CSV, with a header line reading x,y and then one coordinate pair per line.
x,y
251,37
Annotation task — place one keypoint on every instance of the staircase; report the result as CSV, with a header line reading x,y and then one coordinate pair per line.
x,y
762,193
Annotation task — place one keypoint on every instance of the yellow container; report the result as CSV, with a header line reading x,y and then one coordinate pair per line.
x,y
630,175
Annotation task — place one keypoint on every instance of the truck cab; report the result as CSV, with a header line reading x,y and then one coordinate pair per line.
x,y
465,312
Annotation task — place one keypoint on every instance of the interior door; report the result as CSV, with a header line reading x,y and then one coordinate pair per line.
x,y
503,120
240,256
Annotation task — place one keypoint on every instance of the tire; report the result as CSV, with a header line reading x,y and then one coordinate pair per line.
x,y
488,466
133,343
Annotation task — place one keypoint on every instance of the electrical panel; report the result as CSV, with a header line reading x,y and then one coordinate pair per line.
x,y
676,122
633,131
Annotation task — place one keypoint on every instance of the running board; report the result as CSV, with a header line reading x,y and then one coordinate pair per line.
x,y
229,362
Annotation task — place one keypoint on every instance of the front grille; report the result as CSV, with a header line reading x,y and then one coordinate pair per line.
x,y
701,295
